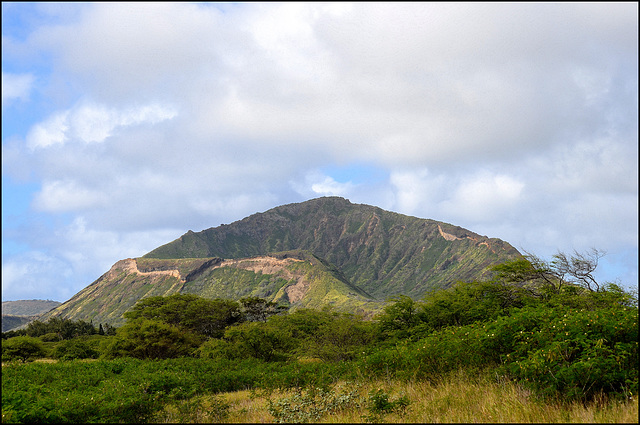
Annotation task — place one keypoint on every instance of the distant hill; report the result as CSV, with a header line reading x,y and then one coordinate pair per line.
x,y
325,251
13,322
28,307
18,313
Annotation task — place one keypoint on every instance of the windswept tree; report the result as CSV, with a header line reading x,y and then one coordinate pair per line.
x,y
532,272
259,310
561,278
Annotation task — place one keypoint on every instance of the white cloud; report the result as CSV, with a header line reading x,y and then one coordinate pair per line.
x,y
50,132
16,86
418,191
316,183
62,196
484,197
93,123
35,275
329,187
515,120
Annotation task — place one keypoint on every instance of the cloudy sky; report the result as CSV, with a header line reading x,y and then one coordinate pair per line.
x,y
125,125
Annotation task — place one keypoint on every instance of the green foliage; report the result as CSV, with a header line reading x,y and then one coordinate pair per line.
x,y
256,309
380,405
189,312
555,350
191,410
301,323
314,403
150,339
400,317
73,349
341,338
50,337
251,339
132,391
63,328
325,335
577,353
470,302
23,348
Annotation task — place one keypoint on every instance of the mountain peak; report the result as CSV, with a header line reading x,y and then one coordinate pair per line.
x,y
382,252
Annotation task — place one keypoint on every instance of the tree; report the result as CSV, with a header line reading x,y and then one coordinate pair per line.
x,y
75,348
190,312
109,330
340,338
541,277
24,348
398,318
259,310
259,340
578,268
469,302
64,328
152,339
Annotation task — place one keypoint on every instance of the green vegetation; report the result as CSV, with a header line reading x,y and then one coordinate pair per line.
x,y
543,338
27,307
380,252
269,278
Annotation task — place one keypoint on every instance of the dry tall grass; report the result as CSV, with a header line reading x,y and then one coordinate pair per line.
x,y
457,399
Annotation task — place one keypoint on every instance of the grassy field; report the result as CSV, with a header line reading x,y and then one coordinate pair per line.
x,y
457,399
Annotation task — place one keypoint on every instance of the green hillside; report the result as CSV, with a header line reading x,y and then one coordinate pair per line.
x,y
384,253
27,307
295,278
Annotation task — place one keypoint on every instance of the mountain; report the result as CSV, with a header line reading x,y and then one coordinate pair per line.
x,y
309,254
18,313
297,278
27,307
384,253
10,322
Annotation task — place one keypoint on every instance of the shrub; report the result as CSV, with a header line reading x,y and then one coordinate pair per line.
x,y
149,339
578,353
380,405
23,348
50,337
313,403
74,349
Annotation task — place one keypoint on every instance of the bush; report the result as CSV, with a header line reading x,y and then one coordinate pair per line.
x,y
313,403
557,351
380,405
50,337
252,339
341,338
578,353
149,339
23,348
75,349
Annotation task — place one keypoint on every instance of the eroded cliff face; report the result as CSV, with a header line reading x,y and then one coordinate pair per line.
x,y
282,278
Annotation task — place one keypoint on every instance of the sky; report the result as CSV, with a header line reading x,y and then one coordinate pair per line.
x,y
124,125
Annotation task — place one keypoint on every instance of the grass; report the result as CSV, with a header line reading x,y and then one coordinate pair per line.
x,y
456,399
